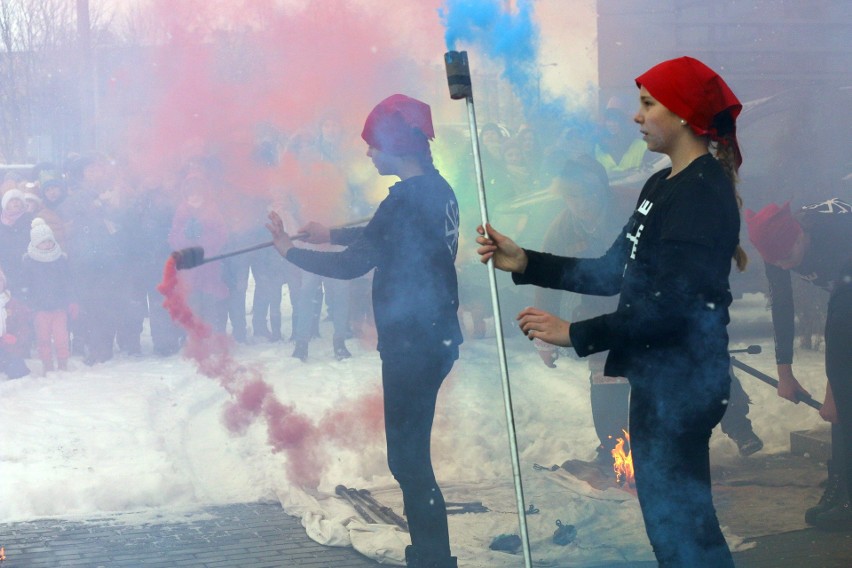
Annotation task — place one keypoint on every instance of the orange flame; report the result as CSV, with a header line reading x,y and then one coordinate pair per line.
x,y
623,462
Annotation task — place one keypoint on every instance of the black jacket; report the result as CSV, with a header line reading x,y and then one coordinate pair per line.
x,y
670,264
411,242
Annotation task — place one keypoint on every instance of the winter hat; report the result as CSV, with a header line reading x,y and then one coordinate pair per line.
x,y
399,125
30,196
773,231
53,182
39,233
10,195
697,94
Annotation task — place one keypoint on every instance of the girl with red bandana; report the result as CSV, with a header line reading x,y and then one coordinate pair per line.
x,y
668,334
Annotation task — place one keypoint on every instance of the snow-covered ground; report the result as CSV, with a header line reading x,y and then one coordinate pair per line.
x,y
148,436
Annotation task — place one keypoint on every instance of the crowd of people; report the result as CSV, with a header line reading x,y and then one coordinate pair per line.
x,y
83,246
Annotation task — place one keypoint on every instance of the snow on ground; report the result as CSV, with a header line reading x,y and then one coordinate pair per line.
x,y
146,436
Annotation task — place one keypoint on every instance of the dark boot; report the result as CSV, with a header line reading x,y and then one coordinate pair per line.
x,y
837,518
735,422
301,351
340,350
749,444
833,496
417,558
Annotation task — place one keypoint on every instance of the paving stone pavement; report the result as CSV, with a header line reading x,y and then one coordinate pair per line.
x,y
252,535
261,535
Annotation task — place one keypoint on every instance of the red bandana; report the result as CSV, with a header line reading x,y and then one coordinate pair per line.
x,y
698,95
399,125
773,231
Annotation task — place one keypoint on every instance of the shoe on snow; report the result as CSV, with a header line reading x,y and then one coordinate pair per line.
x,y
340,350
301,351
750,445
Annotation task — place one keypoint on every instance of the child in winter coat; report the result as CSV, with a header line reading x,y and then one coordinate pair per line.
x,y
11,363
47,281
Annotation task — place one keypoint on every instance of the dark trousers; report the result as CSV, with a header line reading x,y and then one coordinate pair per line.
x,y
735,422
838,365
236,278
669,438
411,383
165,334
610,408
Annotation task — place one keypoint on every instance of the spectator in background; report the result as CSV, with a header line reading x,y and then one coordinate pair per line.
x,y
31,199
269,278
328,200
243,221
148,221
493,137
53,193
585,227
12,363
14,237
48,291
95,268
200,222
620,150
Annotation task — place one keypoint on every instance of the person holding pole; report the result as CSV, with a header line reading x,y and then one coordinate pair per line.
x,y
816,244
668,335
411,242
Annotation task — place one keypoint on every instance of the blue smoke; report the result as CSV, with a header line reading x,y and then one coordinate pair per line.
x,y
510,38
513,39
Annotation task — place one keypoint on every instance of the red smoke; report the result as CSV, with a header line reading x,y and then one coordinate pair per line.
x,y
213,78
356,423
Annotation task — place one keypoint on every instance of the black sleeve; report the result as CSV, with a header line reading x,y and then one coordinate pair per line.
x,y
596,276
671,299
356,260
783,313
346,235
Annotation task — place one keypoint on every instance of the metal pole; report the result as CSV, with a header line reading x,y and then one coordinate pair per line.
x,y
458,77
772,381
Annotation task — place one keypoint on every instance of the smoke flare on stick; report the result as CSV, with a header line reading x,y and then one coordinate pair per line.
x,y
252,397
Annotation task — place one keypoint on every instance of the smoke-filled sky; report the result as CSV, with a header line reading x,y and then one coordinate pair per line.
x,y
221,77
225,74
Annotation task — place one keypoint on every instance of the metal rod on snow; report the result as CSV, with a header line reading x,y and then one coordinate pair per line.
x,y
343,492
458,78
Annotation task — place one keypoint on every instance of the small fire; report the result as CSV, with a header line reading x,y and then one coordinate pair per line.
x,y
623,462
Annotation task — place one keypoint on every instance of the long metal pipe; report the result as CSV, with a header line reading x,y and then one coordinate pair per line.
x,y
458,77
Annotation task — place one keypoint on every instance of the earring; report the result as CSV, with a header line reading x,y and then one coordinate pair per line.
x,y
682,122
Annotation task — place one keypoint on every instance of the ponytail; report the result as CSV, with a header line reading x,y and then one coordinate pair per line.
x,y
726,153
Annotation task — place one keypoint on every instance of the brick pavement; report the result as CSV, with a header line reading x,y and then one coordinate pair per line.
x,y
261,535
254,535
